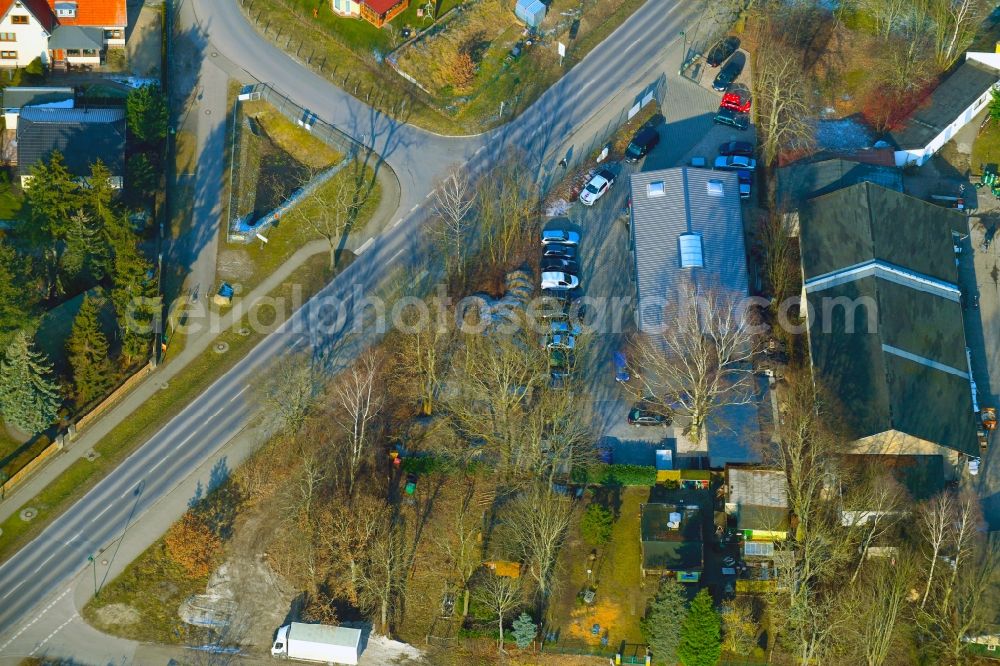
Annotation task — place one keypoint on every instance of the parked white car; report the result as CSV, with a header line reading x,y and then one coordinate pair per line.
x,y
733,162
598,185
559,281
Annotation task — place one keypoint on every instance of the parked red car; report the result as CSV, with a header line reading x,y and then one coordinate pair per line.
x,y
736,101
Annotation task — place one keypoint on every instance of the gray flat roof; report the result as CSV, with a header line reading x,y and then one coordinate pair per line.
x,y
802,181
321,633
17,97
683,205
942,107
756,486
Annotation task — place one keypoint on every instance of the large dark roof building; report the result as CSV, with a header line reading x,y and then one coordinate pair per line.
x,y
83,136
671,540
885,319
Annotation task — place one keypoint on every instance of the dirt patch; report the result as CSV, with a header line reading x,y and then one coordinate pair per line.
x,y
118,614
604,613
235,265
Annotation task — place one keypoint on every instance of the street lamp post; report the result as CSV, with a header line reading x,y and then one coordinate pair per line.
x,y
684,54
90,558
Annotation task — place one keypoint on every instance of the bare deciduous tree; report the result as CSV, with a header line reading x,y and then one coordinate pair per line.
x,y
781,100
359,400
934,523
702,361
423,354
537,521
877,608
453,202
463,544
956,22
781,266
872,508
381,576
332,208
288,391
501,595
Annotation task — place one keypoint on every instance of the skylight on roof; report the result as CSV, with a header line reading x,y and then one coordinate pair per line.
x,y
655,189
691,251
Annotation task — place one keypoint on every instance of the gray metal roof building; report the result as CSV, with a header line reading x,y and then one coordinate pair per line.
x,y
83,136
801,181
17,97
686,228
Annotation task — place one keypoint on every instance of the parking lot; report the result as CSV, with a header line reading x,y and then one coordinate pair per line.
x,y
607,270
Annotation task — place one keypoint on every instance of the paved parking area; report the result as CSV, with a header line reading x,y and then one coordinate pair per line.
x,y
607,269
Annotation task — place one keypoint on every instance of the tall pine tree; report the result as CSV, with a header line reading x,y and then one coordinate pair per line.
x,y
52,196
662,625
134,297
701,633
87,252
17,299
146,114
88,354
29,396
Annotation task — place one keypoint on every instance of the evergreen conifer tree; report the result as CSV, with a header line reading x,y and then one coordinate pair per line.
x,y
701,633
88,354
29,395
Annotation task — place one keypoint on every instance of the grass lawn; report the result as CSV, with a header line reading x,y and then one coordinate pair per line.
x,y
144,422
153,586
986,148
294,140
621,597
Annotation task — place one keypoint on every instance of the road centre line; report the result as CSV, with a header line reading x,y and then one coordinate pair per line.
x,y
364,246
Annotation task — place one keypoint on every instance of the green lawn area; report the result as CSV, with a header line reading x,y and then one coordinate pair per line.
x,y
986,149
154,586
144,422
622,594
294,140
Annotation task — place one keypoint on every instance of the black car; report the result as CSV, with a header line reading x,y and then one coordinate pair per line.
x,y
560,251
740,121
642,415
741,148
721,51
643,142
729,73
559,264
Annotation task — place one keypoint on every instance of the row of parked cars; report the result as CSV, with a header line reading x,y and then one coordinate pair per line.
x,y
560,278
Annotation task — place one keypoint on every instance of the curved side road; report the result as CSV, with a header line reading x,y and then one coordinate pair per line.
x,y
36,573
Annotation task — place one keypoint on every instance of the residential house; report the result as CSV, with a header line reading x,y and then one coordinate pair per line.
x,y
24,32
85,29
82,136
804,180
672,543
952,105
61,33
376,12
885,321
16,98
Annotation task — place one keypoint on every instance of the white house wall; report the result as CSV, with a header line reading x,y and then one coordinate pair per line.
x,y
920,155
31,40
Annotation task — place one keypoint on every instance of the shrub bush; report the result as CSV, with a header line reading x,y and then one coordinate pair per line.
x,y
615,475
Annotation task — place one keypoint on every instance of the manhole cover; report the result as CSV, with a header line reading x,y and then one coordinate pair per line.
x,y
244,331
164,386
104,563
222,348
208,112
215,54
28,514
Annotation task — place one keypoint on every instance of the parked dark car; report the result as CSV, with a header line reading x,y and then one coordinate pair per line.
x,y
744,148
561,251
560,264
729,73
740,121
746,181
721,51
642,415
643,142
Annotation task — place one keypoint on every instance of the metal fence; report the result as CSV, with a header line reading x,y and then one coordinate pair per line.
x,y
243,229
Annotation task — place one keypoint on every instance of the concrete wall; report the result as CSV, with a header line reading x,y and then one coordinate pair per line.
x,y
31,40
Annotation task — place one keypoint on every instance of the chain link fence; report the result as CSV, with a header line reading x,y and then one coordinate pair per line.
x,y
242,227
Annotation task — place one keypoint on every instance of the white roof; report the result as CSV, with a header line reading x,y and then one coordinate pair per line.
x,y
323,633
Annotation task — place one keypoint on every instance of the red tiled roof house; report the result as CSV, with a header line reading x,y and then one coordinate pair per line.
x,y
60,32
376,12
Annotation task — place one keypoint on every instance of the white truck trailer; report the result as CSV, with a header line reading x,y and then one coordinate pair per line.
x,y
318,643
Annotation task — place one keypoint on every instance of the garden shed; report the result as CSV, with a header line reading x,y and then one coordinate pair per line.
x,y
530,11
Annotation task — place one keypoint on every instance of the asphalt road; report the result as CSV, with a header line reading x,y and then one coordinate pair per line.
x,y
419,159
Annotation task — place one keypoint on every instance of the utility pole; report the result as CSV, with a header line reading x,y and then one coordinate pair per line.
x,y
90,558
684,54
